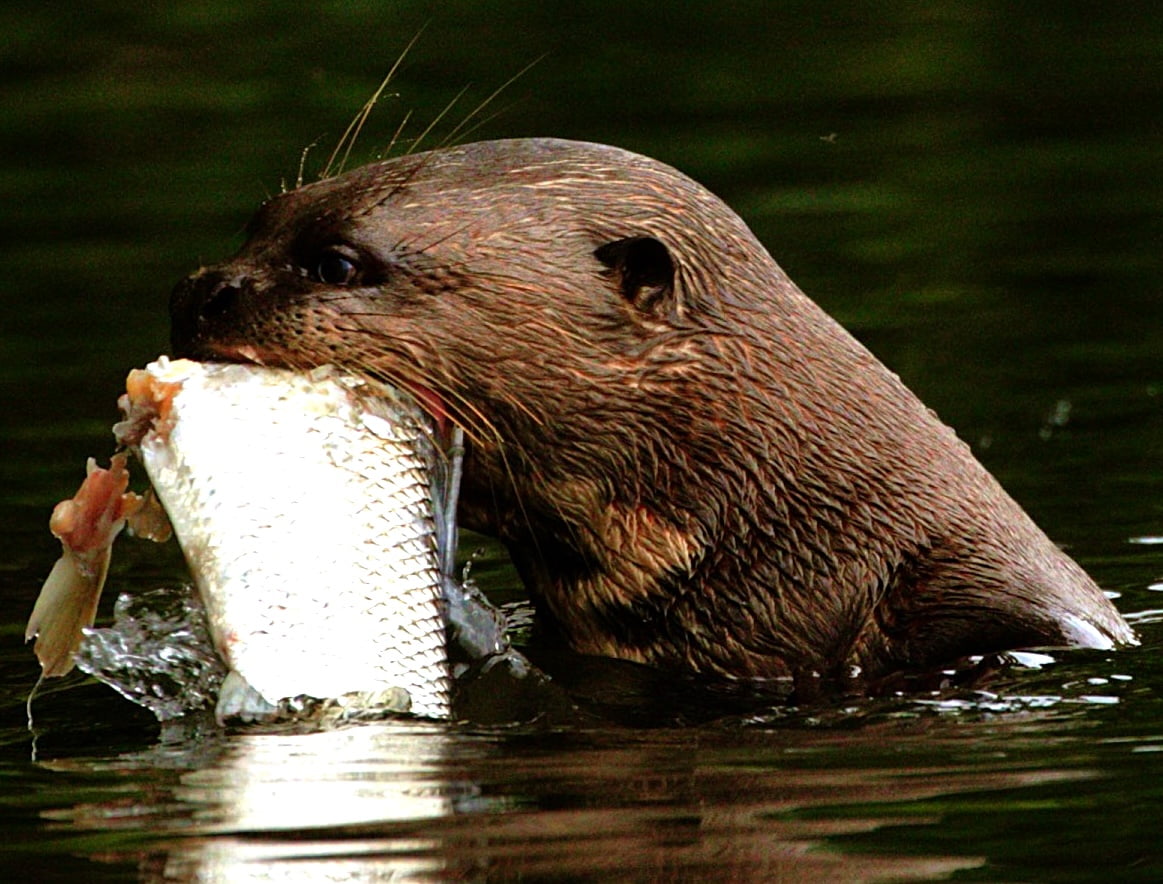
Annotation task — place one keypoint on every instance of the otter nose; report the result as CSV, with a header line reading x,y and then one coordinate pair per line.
x,y
199,304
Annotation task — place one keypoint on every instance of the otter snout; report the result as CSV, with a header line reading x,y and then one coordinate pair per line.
x,y
204,307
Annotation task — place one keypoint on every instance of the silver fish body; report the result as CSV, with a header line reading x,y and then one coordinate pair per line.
x,y
303,505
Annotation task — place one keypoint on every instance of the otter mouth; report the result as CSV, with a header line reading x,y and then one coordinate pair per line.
x,y
189,342
212,311
431,402
247,354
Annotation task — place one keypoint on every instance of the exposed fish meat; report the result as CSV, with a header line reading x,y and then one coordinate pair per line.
x,y
87,524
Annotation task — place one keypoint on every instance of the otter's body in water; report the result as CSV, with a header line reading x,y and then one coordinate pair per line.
x,y
692,465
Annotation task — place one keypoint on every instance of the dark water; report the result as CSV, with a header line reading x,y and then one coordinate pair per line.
x,y
973,188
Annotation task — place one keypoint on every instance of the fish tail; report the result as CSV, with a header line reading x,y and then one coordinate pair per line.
x,y
66,605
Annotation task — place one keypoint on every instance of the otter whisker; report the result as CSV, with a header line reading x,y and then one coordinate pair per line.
x,y
410,174
480,107
484,121
411,249
399,131
351,133
405,372
303,164
440,116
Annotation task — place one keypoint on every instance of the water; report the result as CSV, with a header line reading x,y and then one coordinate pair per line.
x,y
972,188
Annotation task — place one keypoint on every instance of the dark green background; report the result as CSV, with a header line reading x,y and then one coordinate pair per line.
x,y
973,188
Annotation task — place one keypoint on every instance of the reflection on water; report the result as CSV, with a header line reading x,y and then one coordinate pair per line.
x,y
759,798
316,781
316,790
376,801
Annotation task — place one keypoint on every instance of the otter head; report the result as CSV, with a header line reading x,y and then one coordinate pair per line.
x,y
690,463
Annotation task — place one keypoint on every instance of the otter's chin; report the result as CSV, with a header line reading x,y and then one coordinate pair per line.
x,y
241,353
206,351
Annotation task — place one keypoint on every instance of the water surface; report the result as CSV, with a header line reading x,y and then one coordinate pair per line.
x,y
972,188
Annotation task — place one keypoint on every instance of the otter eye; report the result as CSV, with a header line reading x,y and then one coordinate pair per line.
x,y
335,268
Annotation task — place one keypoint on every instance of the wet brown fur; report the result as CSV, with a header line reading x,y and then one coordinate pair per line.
x,y
692,465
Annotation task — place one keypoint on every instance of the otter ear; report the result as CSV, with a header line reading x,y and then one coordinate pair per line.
x,y
644,271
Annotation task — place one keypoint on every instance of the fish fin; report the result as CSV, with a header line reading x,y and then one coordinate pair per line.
x,y
150,522
86,524
66,605
28,711
92,518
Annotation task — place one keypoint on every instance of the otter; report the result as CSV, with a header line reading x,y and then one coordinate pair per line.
x,y
691,464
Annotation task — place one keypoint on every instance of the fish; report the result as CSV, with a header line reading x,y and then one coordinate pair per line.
x,y
86,525
308,510
303,505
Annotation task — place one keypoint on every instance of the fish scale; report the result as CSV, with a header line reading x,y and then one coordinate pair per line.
x,y
304,508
